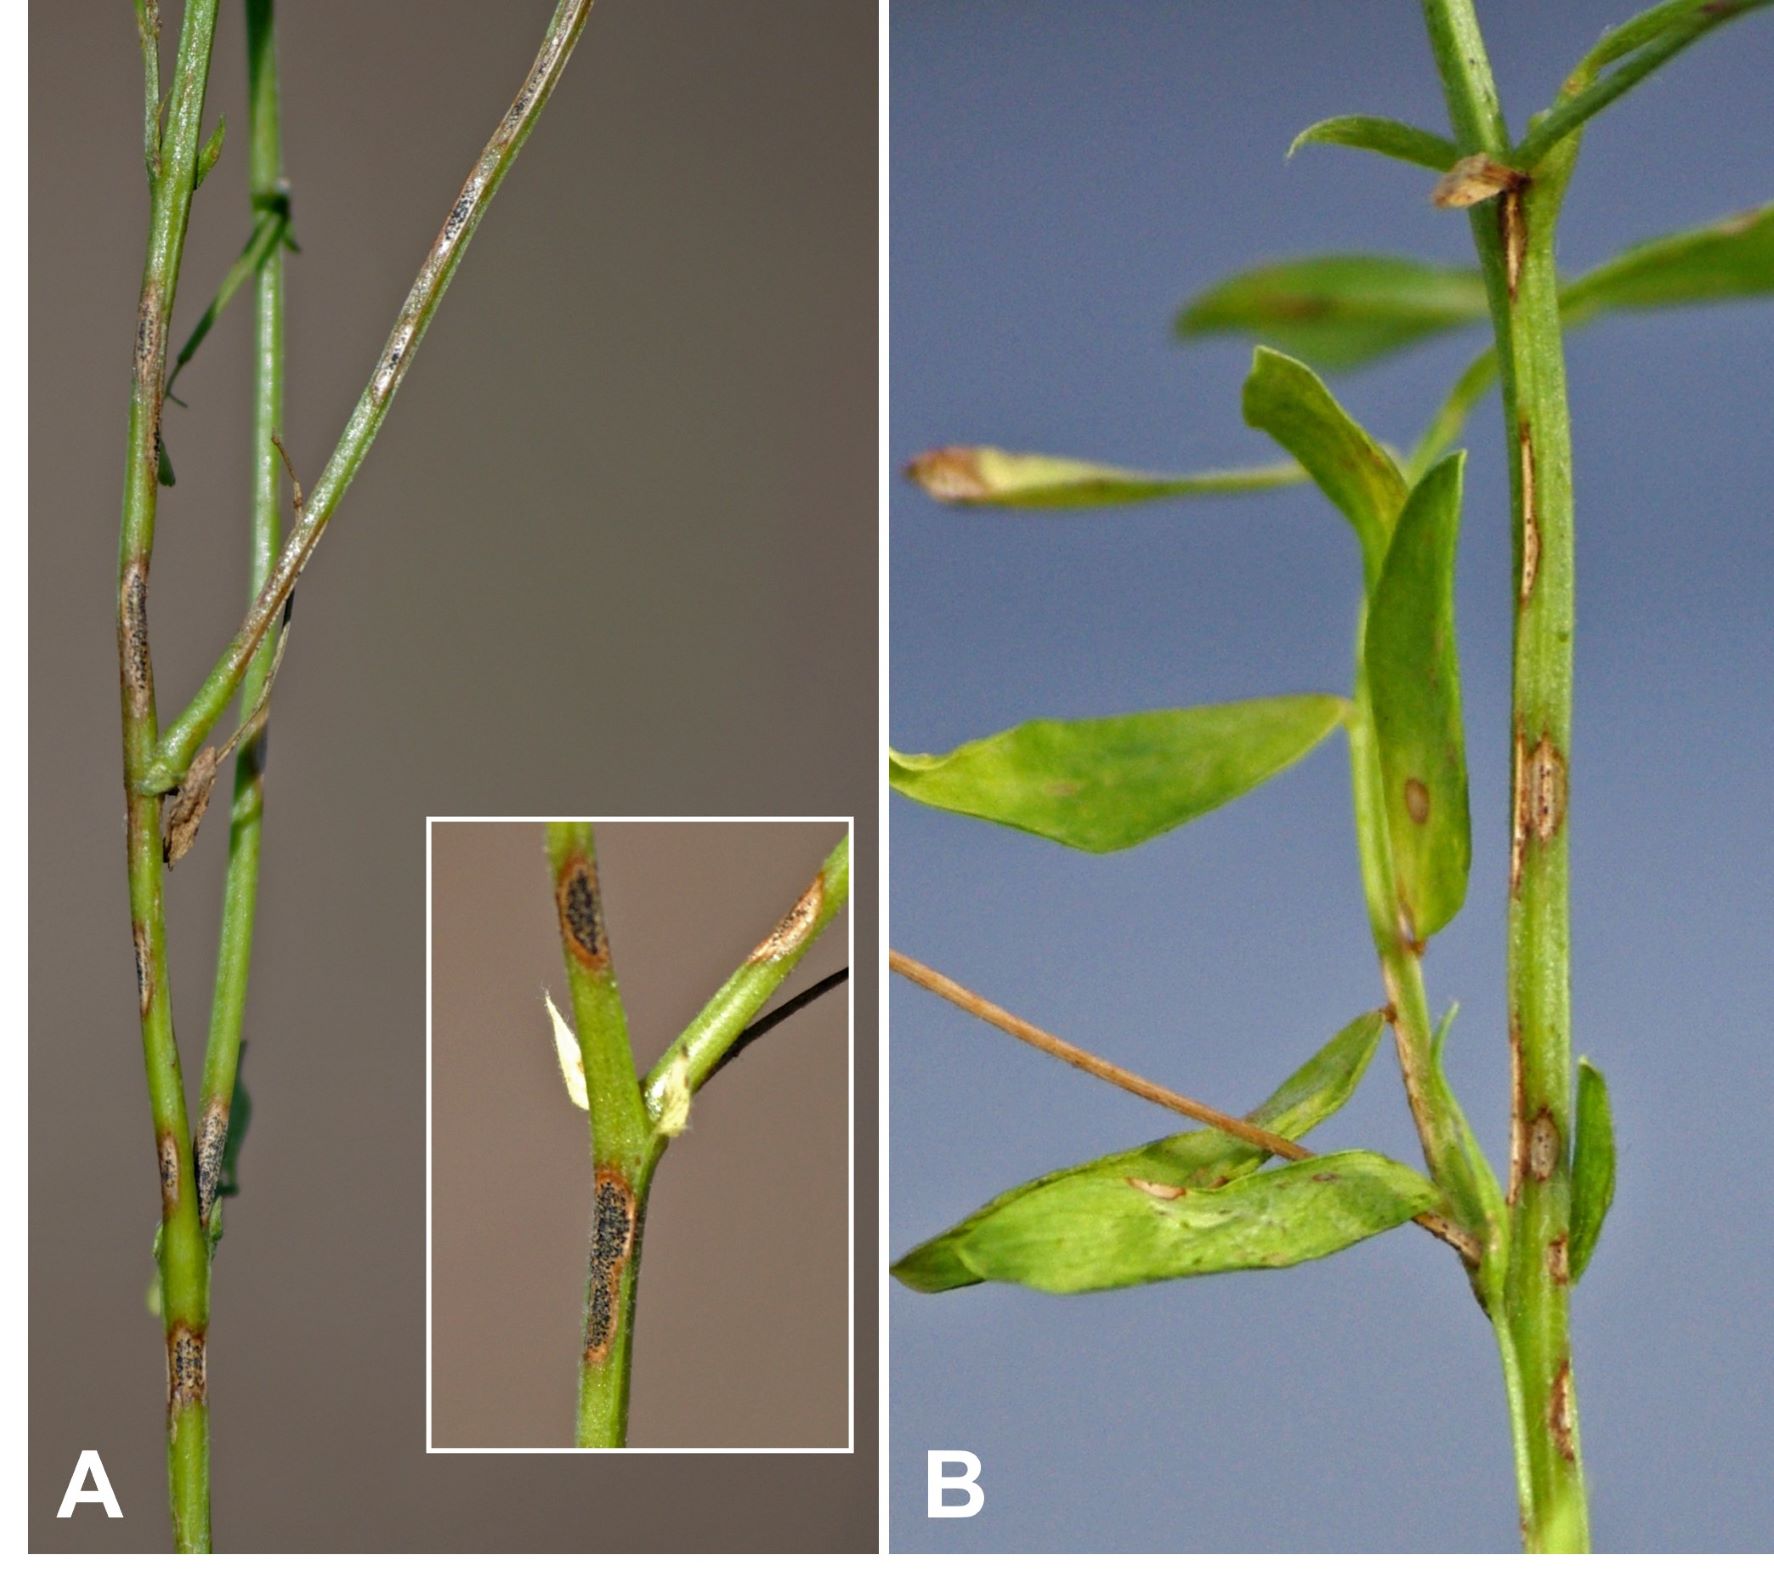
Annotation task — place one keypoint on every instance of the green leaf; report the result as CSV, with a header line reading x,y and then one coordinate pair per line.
x,y
1289,402
1732,258
1635,33
997,479
1635,50
267,232
211,152
1592,1166
1200,1159
1383,136
1413,675
1102,785
1339,310
1104,1231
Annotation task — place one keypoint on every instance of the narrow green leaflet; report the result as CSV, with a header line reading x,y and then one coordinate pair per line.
x,y
270,230
1383,136
210,153
1289,402
1102,785
1635,51
1105,1231
1339,310
1199,1159
1473,1191
997,479
1413,675
1592,1166
1635,33
1731,258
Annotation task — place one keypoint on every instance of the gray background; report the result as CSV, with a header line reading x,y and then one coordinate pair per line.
x,y
1063,176
742,1332
614,552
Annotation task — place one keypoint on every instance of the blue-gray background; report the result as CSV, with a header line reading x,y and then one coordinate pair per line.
x,y
1062,176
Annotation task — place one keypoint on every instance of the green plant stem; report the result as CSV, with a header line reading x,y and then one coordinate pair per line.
x,y
1449,1148
183,1252
624,1149
1514,235
604,1379
705,1040
240,889
185,735
626,1146
618,1116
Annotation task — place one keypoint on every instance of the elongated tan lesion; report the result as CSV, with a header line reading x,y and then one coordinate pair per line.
x,y
187,1380
212,1142
1542,787
793,929
1530,516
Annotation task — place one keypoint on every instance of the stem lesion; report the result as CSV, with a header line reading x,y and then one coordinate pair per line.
x,y
631,1125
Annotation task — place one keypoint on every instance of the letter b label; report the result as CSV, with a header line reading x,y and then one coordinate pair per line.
x,y
953,1473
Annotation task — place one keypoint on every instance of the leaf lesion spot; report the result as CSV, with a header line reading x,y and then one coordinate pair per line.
x,y
1164,1193
951,475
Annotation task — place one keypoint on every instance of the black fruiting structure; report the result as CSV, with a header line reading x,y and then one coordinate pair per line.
x,y
612,1239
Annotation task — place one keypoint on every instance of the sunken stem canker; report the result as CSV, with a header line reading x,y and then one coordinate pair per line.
x,y
612,1239
612,1276
581,910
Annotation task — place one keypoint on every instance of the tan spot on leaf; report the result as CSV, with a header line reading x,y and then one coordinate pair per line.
x,y
1165,1193
952,475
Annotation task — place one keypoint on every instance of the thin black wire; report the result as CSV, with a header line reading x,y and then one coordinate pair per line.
x,y
763,1026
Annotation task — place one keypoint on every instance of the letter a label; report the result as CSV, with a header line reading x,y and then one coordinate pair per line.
x,y
89,1483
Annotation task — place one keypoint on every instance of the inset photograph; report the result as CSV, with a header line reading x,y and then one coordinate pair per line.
x,y
640,1031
